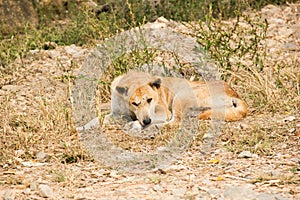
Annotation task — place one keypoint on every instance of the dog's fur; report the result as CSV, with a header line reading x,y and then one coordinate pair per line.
x,y
160,100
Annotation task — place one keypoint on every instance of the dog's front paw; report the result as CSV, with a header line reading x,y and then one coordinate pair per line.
x,y
133,127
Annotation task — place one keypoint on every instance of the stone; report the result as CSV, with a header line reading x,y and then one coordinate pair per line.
x,y
289,119
74,51
33,186
11,88
246,154
45,191
239,192
42,156
158,188
291,46
179,191
27,191
53,53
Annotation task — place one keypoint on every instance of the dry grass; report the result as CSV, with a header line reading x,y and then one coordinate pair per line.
x,y
48,130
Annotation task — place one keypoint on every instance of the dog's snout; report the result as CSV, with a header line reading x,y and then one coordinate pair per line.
x,y
146,121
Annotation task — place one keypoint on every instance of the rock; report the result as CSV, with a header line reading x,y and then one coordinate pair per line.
x,y
42,156
179,191
285,31
9,195
27,191
53,53
158,188
74,51
115,174
239,192
289,119
162,20
133,127
33,164
247,154
45,191
11,88
33,186
94,123
15,14
291,46
274,173
34,51
19,152
269,10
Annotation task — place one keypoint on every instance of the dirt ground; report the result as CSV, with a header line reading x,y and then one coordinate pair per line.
x,y
49,161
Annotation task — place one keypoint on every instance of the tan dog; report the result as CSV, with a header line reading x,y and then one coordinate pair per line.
x,y
138,96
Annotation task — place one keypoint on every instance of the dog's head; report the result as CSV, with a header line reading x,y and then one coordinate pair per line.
x,y
142,100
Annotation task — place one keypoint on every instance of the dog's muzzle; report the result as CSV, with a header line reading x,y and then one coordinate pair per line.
x,y
146,121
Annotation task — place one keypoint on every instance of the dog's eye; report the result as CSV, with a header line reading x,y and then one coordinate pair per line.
x,y
135,104
149,100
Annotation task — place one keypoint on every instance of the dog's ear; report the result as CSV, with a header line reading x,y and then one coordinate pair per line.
x,y
156,84
122,90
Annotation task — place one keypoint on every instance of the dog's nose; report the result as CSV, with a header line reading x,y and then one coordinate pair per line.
x,y
147,121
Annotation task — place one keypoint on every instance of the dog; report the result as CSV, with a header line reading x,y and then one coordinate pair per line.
x,y
146,100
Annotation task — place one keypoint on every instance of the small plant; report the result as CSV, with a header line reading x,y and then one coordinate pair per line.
x,y
236,46
58,175
295,169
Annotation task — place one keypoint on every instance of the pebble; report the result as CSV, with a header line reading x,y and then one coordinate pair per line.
x,y
74,51
289,119
158,188
42,156
33,164
34,51
27,191
45,191
274,173
19,152
239,192
245,154
53,53
179,191
162,20
11,88
291,46
33,186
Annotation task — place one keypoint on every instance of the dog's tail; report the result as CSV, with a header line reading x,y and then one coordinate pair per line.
x,y
233,110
